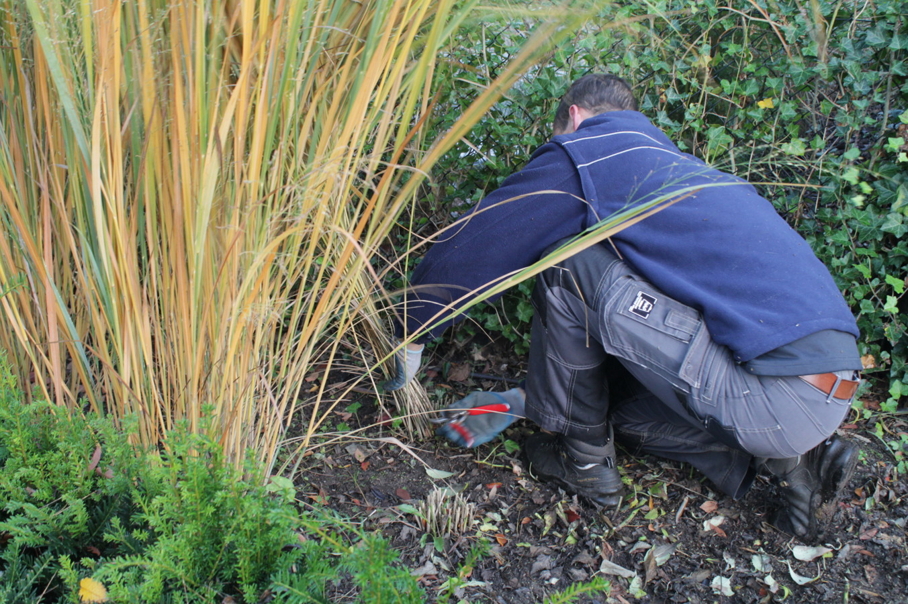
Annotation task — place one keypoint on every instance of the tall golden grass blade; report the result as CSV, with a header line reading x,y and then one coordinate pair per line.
x,y
193,225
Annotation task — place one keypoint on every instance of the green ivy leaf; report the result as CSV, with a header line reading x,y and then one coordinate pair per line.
x,y
898,285
901,199
796,147
895,224
851,175
899,42
894,143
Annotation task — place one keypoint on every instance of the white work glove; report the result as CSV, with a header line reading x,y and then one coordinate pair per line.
x,y
406,366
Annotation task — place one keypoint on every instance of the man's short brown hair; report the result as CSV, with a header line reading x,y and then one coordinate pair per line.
x,y
597,93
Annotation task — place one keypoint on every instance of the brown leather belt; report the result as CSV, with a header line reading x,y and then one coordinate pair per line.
x,y
825,382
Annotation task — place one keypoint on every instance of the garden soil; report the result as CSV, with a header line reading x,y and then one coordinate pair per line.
x,y
674,539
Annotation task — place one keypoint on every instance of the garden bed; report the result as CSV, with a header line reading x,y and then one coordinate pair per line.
x,y
674,539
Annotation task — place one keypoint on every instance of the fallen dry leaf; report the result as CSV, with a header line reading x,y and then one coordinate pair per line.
x,y
91,591
871,573
95,459
438,474
722,585
661,553
799,579
709,506
403,494
584,558
460,372
806,554
501,539
426,569
610,568
542,562
649,566
713,525
358,453
640,546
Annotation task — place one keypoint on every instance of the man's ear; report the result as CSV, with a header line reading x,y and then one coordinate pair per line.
x,y
578,114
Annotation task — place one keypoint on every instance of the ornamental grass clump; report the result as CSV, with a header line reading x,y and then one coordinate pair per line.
x,y
193,198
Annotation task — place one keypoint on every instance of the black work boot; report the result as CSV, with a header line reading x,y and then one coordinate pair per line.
x,y
576,466
809,481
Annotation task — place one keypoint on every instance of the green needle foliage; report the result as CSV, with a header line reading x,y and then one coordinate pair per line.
x,y
193,197
79,501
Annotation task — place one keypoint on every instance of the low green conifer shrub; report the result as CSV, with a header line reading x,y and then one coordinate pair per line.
x,y
176,525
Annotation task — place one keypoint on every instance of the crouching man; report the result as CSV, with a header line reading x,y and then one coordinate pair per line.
x,y
707,333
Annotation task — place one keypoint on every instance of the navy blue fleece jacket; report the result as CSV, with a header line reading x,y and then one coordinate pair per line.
x,y
722,250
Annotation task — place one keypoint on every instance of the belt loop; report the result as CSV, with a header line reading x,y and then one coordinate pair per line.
x,y
835,387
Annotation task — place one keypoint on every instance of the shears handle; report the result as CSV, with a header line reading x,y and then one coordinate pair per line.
x,y
493,408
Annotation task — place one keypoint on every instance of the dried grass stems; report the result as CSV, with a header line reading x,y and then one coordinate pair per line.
x,y
446,513
193,196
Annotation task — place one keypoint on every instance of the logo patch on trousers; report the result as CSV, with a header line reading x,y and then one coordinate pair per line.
x,y
643,305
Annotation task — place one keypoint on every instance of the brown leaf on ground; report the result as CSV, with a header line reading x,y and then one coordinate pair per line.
x,y
585,559
649,565
460,372
871,573
543,562
709,506
384,420
426,569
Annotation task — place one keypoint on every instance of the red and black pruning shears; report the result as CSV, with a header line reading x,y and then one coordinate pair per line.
x,y
454,418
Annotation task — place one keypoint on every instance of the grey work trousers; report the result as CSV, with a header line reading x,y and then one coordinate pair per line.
x,y
607,346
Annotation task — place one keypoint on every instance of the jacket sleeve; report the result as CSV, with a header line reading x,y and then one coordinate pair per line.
x,y
507,231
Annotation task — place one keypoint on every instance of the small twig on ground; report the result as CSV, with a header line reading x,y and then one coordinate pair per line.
x,y
496,378
681,509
